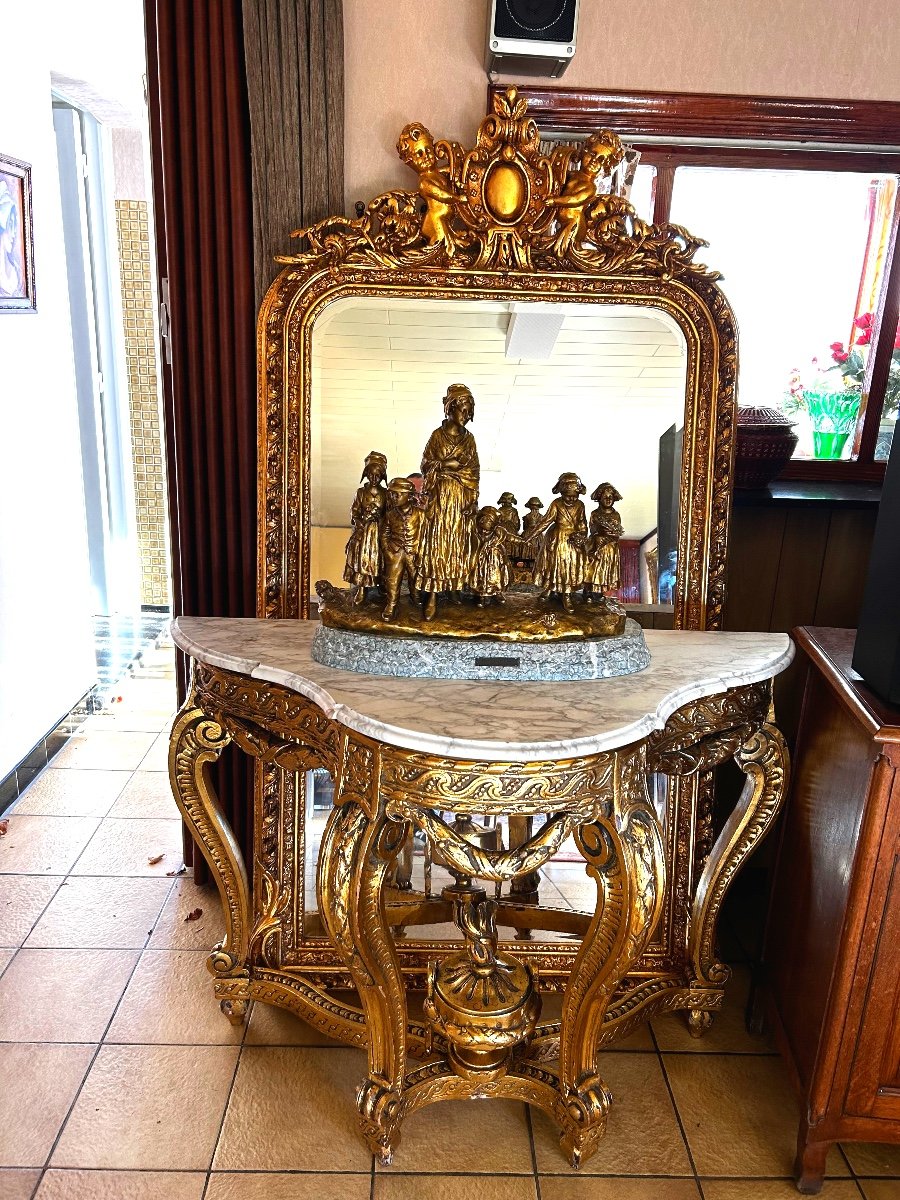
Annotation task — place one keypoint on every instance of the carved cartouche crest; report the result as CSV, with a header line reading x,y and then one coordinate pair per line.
x,y
504,205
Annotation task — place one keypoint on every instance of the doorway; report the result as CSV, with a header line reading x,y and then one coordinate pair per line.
x,y
108,232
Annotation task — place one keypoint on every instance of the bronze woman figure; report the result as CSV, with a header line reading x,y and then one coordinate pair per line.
x,y
451,470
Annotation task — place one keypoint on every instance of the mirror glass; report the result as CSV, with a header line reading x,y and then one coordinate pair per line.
x,y
596,389
564,885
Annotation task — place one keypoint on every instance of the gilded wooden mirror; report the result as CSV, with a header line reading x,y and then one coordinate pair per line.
x,y
460,280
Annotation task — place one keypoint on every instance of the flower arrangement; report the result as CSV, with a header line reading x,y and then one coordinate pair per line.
x,y
833,404
852,364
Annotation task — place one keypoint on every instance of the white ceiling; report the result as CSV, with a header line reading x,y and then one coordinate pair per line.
x,y
614,382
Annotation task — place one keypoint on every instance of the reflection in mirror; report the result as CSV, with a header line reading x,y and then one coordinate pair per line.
x,y
595,389
420,876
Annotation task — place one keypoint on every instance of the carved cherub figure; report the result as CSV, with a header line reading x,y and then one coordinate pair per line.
x,y
600,155
560,564
602,568
490,569
416,148
509,514
400,533
363,552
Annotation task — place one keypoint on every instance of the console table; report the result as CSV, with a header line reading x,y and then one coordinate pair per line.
x,y
406,754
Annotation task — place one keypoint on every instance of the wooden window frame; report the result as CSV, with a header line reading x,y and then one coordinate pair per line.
x,y
687,129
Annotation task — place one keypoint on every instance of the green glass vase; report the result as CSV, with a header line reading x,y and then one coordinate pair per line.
x,y
833,416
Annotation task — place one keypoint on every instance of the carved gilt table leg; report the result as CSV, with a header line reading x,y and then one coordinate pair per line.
x,y
763,757
196,742
625,856
358,850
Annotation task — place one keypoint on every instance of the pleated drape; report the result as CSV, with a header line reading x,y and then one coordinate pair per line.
x,y
294,54
246,105
200,142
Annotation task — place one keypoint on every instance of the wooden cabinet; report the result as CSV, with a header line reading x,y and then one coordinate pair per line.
x,y
832,954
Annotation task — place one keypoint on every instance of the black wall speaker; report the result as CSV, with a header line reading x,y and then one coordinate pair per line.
x,y
532,37
876,655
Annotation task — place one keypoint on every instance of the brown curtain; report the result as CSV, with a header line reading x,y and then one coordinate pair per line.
x,y
247,142
200,140
294,52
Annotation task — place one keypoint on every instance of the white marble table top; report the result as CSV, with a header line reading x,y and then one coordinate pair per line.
x,y
505,721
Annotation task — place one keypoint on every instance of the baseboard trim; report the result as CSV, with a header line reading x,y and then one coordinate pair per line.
x,y
44,750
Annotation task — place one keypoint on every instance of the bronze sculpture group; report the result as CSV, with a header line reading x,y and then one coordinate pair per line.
x,y
448,546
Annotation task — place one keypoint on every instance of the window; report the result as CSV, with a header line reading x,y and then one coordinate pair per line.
x,y
798,201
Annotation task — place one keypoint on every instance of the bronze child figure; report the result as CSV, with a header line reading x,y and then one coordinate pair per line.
x,y
602,568
363,552
531,518
400,534
560,564
490,572
508,513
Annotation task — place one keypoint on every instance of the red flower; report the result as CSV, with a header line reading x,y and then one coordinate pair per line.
x,y
897,340
865,322
837,347
839,356
864,338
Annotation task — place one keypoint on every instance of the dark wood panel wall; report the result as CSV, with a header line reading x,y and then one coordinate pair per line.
x,y
797,565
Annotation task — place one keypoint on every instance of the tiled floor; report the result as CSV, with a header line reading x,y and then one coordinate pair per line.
x,y
120,1079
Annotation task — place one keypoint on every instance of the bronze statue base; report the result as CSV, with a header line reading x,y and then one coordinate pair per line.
x,y
521,618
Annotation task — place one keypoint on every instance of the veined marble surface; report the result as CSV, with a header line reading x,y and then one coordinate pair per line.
x,y
503,721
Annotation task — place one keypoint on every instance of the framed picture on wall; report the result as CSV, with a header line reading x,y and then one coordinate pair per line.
x,y
16,237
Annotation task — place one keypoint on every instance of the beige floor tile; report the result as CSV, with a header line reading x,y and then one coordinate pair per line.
x,y
773,1189
18,1185
450,1136
642,1136
57,793
107,913
391,1186
589,1187
22,900
878,1189
226,1185
728,1032
39,1085
148,794
37,845
124,847
173,932
104,751
149,1107
294,1108
6,956
122,1185
157,756
62,995
739,1114
170,999
44,845
132,717
873,1158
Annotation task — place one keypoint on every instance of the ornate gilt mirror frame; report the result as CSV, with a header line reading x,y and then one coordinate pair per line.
x,y
504,221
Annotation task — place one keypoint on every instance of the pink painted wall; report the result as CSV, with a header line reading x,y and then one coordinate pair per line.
x,y
423,59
